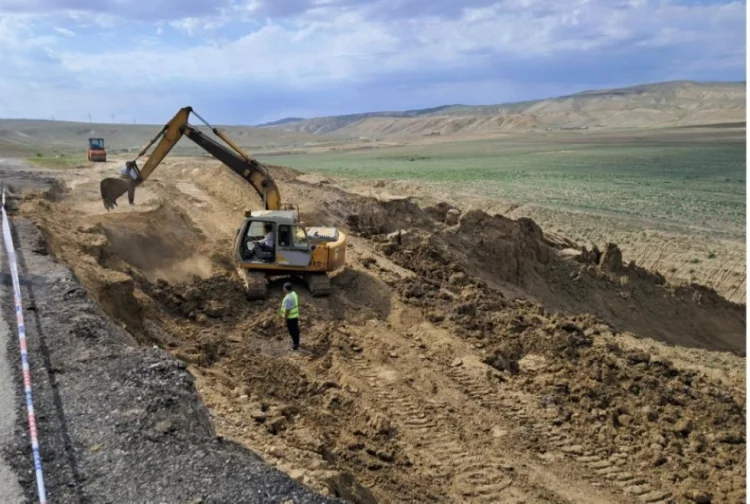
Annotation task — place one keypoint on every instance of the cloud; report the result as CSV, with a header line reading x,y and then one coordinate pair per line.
x,y
373,9
64,31
337,56
139,10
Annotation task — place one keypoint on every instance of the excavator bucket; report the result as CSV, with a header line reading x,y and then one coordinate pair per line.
x,y
113,188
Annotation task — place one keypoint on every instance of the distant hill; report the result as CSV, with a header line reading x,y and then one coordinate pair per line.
x,y
24,136
281,122
349,118
678,103
675,103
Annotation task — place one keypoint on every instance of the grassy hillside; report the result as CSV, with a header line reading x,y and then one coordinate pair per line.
x,y
676,103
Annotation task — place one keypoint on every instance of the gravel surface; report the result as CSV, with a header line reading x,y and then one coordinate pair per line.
x,y
9,486
118,423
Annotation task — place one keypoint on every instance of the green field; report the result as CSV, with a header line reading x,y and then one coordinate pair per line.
x,y
695,184
59,161
686,179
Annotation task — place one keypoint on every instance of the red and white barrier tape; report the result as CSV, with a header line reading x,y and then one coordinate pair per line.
x,y
9,247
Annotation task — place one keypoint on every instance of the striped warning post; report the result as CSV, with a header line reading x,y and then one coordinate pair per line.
x,y
10,248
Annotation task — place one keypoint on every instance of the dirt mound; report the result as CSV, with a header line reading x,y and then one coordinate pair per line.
x,y
618,400
283,173
215,296
163,242
160,243
499,249
515,257
371,217
225,185
106,252
444,212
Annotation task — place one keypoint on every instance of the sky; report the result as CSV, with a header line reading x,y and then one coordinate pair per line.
x,y
252,61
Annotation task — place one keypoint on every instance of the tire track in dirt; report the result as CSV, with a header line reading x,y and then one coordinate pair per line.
x,y
470,476
611,468
452,439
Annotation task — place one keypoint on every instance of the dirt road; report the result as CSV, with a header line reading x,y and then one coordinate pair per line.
x,y
474,361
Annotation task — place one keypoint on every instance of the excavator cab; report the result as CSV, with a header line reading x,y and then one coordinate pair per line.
x,y
290,244
96,152
296,252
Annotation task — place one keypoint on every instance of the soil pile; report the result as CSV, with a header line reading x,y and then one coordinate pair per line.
x,y
616,400
515,257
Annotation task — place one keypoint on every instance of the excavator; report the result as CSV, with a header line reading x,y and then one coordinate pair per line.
x,y
269,243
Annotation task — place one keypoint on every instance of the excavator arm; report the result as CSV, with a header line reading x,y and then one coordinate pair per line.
x,y
238,161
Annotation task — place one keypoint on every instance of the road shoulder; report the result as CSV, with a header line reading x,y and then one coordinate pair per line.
x,y
10,488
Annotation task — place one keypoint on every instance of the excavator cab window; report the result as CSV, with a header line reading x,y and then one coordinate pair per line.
x,y
294,249
285,237
293,237
253,248
299,238
256,230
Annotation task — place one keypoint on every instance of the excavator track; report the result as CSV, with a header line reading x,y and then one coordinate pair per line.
x,y
256,287
319,284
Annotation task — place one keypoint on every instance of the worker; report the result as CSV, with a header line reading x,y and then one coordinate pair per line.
x,y
129,171
268,241
290,313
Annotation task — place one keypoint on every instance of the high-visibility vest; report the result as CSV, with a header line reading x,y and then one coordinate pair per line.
x,y
294,312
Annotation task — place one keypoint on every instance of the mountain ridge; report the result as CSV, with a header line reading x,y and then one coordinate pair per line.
x,y
668,103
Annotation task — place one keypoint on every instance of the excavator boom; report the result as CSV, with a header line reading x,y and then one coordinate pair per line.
x,y
236,159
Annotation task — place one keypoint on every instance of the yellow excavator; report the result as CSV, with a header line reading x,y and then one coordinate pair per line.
x,y
271,242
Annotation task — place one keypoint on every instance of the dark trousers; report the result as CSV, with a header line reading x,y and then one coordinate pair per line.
x,y
292,324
